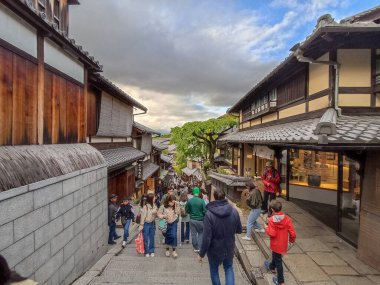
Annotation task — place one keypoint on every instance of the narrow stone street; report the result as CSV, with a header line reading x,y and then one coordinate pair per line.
x,y
126,267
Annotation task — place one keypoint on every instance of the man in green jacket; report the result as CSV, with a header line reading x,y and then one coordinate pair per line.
x,y
196,208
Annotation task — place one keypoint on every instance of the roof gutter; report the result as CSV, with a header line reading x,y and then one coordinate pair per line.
x,y
301,58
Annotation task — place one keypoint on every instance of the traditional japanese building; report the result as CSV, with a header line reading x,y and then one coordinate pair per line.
x,y
317,115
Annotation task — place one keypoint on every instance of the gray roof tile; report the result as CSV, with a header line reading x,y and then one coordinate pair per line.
x,y
120,157
349,129
149,169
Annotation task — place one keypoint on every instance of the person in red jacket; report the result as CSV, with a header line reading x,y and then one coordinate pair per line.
x,y
282,235
271,180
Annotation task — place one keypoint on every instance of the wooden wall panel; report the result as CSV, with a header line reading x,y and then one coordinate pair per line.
x,y
19,74
63,110
92,113
48,107
6,101
31,103
292,90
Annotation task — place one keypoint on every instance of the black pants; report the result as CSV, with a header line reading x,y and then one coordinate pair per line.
x,y
277,264
268,196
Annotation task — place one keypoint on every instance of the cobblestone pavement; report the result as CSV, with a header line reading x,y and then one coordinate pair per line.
x,y
126,267
319,256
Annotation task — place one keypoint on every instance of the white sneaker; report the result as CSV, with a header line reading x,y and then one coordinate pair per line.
x,y
167,253
260,230
147,255
175,255
196,250
245,238
124,243
163,241
152,255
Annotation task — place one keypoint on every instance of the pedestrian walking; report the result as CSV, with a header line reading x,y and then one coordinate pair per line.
x,y
196,208
221,223
254,202
271,180
185,219
159,192
170,211
112,218
126,216
282,235
170,192
147,225
10,277
205,197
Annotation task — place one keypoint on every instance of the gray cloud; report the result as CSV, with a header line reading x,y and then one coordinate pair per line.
x,y
186,60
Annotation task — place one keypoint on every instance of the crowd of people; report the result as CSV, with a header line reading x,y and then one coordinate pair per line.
x,y
211,225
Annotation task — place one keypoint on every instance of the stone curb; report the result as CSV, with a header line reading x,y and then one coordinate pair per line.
x,y
98,268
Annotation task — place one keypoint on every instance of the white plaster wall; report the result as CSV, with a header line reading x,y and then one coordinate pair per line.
x,y
17,32
57,58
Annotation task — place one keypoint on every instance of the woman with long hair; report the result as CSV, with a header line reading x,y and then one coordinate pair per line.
x,y
147,226
170,211
185,218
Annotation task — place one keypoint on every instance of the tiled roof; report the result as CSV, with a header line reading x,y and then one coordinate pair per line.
x,y
350,130
149,169
158,145
121,157
230,180
190,172
360,15
145,129
166,158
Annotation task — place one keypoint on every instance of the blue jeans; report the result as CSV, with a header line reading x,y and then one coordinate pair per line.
x,y
148,234
228,271
171,235
252,221
277,264
126,229
112,232
185,231
196,228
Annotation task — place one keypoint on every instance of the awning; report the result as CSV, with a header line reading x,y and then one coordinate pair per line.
x,y
149,169
166,158
189,172
328,130
230,180
121,157
263,151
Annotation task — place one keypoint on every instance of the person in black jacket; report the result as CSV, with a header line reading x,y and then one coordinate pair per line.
x,y
221,223
127,216
112,216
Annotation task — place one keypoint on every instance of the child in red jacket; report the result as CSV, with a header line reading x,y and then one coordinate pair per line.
x,y
281,231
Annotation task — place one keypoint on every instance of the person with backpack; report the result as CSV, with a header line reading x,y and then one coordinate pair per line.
x,y
126,216
254,202
170,212
271,180
185,218
282,235
147,225
221,224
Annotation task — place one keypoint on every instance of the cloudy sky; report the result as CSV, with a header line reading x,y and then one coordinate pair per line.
x,y
189,60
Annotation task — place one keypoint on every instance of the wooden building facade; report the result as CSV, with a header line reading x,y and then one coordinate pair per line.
x,y
317,116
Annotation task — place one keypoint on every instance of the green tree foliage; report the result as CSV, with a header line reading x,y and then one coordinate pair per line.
x,y
198,139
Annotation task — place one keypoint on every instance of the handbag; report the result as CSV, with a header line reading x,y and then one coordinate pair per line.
x,y
140,243
162,224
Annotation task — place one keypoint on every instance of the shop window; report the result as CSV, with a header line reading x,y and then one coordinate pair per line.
x,y
350,200
314,169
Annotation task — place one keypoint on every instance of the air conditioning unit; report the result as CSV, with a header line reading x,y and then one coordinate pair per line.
x,y
273,104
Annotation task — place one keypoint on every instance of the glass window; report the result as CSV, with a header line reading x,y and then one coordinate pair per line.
x,y
350,200
314,168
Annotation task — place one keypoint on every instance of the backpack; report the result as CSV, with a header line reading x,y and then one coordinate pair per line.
x,y
183,212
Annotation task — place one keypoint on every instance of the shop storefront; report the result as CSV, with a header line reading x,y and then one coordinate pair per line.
x,y
327,184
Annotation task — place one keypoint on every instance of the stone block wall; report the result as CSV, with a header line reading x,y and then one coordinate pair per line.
x,y
53,230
